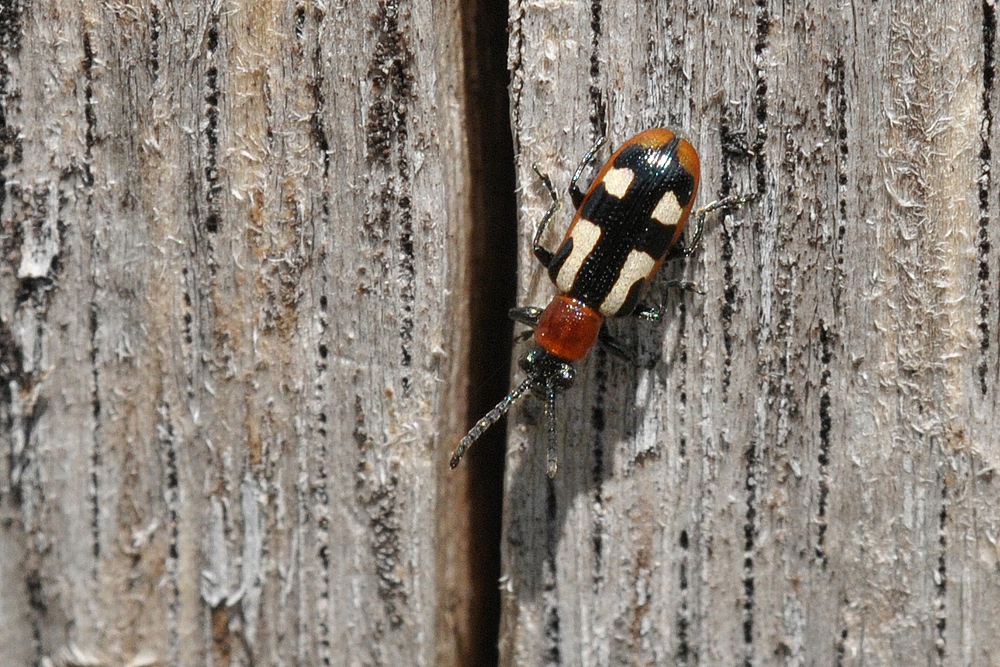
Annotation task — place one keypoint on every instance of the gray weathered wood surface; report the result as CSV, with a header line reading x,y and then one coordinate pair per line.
x,y
233,294
805,472
232,238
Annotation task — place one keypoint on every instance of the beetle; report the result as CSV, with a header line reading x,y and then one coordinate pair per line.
x,y
627,223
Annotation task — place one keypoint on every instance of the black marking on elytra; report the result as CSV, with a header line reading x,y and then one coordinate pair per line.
x,y
824,444
983,243
625,223
558,259
213,186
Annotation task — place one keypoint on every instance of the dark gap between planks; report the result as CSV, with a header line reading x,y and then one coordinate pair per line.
x,y
493,282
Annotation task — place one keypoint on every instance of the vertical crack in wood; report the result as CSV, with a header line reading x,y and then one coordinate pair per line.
x,y
984,244
492,63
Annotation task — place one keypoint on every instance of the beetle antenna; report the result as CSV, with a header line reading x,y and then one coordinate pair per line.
x,y
489,419
550,411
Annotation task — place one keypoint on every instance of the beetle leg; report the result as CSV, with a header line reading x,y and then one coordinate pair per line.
x,y
527,315
686,285
544,255
575,193
732,201
614,346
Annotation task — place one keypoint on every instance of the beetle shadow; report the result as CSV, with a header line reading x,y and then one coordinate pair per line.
x,y
597,421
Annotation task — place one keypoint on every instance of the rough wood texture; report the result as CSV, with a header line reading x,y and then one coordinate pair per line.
x,y
234,269
804,470
232,239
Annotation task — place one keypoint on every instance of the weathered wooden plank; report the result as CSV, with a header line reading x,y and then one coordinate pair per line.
x,y
802,473
233,243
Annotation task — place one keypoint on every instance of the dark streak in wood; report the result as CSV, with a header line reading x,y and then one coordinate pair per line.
x,y
391,77
751,453
93,322
213,187
376,494
824,444
154,39
172,499
984,244
685,654
941,580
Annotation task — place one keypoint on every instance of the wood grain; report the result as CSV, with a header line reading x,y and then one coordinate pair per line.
x,y
238,250
801,472
233,240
